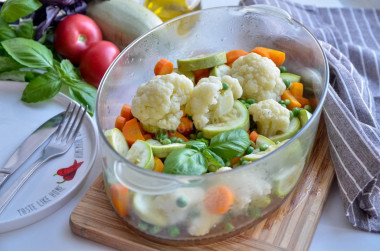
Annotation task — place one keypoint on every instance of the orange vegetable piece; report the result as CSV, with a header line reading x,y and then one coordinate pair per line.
x,y
303,101
202,73
218,199
163,67
313,103
158,165
278,57
183,109
233,55
235,160
126,112
186,126
293,101
296,89
253,136
178,135
120,122
132,131
120,198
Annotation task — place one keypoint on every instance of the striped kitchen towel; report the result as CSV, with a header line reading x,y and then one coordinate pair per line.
x,y
351,40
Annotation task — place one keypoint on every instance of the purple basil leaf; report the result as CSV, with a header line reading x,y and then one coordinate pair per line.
x,y
59,3
51,13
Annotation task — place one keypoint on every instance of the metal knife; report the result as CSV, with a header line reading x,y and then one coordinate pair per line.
x,y
29,146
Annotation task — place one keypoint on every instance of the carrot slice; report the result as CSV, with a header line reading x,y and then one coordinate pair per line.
x,y
120,198
278,57
253,136
163,67
132,131
235,160
120,122
178,135
293,101
126,112
202,73
186,126
147,136
303,101
233,55
218,199
158,165
296,89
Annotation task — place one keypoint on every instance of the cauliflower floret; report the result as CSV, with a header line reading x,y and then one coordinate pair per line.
x,y
270,117
258,76
202,224
158,102
209,102
223,169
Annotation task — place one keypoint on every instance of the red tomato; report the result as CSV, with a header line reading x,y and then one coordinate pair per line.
x,y
74,35
96,60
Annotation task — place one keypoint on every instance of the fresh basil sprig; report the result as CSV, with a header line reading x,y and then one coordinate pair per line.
x,y
197,156
33,55
16,9
6,31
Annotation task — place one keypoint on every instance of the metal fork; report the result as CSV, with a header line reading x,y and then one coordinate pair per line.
x,y
60,142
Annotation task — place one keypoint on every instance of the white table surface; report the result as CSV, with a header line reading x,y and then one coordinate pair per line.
x,y
333,231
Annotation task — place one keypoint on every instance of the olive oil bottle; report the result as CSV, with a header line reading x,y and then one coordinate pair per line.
x,y
168,9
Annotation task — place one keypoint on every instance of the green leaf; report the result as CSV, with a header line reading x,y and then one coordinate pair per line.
x,y
28,52
42,88
185,162
69,70
24,29
22,76
84,94
13,10
213,158
8,64
196,145
5,31
230,144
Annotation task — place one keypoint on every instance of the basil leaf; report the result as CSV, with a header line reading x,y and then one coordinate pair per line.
x,y
196,145
28,52
24,29
22,76
185,162
84,94
42,88
5,31
8,64
230,144
13,10
69,70
213,158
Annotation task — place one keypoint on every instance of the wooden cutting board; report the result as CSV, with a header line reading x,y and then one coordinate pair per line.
x,y
291,227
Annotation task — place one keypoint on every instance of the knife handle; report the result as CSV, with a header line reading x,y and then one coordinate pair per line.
x,y
3,178
6,197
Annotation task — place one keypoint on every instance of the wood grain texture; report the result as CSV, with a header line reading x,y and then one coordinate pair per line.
x,y
291,227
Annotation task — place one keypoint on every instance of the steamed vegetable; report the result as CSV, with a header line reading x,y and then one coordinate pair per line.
x,y
278,57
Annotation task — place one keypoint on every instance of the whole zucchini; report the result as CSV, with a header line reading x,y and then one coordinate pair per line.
x,y
122,21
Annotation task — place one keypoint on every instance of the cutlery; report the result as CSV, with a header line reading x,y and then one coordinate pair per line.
x,y
29,146
60,142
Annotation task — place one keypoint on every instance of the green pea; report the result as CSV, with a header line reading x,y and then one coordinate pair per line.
x,y
263,147
244,162
181,202
287,102
308,108
283,69
142,226
162,135
173,139
243,101
296,111
249,150
281,102
250,101
286,82
247,105
193,136
212,168
173,231
225,86
166,142
228,226
179,140
283,105
155,229
291,115
200,135
277,142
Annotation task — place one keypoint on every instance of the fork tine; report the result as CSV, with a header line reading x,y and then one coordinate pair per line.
x,y
57,132
76,130
63,134
69,134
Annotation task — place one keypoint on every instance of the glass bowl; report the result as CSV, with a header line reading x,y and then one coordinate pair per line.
x,y
170,208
